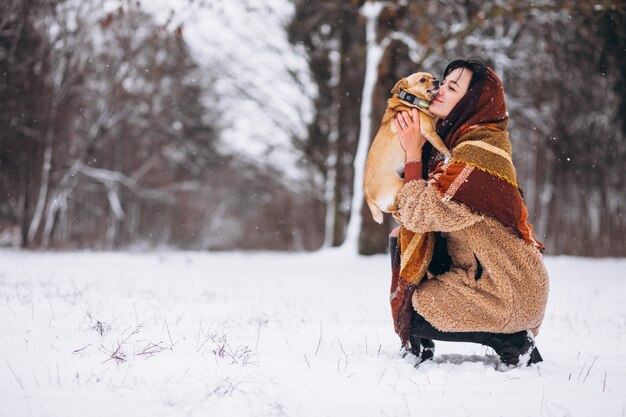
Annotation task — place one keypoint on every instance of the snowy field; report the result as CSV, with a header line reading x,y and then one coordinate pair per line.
x,y
196,334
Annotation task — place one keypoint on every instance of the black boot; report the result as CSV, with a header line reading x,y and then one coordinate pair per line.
x,y
423,348
428,349
515,348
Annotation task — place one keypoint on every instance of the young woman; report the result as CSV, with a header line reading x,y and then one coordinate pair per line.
x,y
486,282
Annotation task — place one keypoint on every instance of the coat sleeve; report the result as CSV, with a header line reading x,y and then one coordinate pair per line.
x,y
421,209
412,171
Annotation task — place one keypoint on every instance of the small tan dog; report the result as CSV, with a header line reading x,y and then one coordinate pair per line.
x,y
385,160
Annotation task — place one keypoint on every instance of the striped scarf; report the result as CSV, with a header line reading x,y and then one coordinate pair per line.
x,y
481,176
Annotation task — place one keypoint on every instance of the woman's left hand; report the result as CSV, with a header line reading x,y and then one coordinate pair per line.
x,y
411,139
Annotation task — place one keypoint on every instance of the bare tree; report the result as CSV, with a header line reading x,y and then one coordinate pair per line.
x,y
125,124
25,125
333,34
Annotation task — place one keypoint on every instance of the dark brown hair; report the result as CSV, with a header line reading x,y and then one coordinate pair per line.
x,y
477,65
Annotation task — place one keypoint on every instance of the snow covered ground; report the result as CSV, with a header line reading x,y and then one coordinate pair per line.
x,y
240,334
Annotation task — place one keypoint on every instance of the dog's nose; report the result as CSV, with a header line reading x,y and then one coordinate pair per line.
x,y
436,83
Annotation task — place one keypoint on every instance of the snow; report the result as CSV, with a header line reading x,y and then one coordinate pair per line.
x,y
265,334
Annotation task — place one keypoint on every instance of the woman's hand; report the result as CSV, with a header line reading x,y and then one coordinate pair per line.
x,y
411,139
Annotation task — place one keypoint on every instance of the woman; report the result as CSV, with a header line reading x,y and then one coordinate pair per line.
x,y
486,282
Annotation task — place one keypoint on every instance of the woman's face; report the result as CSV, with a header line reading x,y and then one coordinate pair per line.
x,y
452,90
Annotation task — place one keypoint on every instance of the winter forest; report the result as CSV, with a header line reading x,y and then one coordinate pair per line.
x,y
215,125
183,230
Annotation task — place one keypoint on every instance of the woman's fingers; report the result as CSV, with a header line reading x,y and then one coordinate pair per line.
x,y
405,118
408,128
415,118
400,120
407,123
397,123
401,133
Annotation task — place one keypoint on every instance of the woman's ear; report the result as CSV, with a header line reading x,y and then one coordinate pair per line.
x,y
399,85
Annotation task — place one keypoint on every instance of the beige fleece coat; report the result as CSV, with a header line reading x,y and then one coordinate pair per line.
x,y
511,292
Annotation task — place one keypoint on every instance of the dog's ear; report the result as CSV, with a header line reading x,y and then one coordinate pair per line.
x,y
399,85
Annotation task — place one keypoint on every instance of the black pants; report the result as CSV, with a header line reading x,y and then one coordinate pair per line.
x,y
421,328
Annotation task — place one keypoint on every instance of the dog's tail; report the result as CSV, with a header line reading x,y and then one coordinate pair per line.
x,y
377,214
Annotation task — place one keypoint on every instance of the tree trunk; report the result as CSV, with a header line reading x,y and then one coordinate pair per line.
x,y
375,51
43,193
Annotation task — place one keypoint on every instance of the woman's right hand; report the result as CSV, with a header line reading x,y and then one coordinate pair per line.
x,y
409,133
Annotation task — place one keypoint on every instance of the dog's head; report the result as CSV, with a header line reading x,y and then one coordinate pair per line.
x,y
420,84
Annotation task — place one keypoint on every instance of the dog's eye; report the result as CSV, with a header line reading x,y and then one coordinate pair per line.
x,y
423,80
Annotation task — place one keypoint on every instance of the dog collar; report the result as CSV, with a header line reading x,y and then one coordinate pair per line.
x,y
423,104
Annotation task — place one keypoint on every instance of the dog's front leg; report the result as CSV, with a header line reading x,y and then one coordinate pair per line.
x,y
427,128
